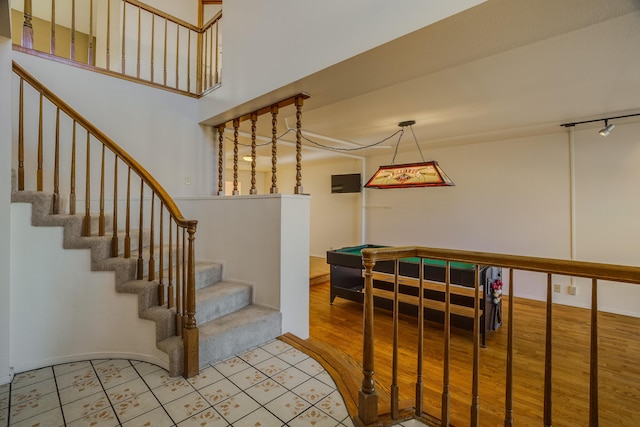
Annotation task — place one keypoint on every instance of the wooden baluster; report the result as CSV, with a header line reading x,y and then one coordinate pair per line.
x,y
170,289
220,160
40,147
508,401
52,44
138,52
178,285
593,362
127,236
216,79
153,45
108,35
27,26
367,396
211,51
298,188
185,287
152,261
274,149
72,184
114,237
90,60
254,119
140,274
165,52
124,30
205,75
395,412
199,61
21,139
101,217
236,125
56,167
548,416
190,334
87,191
420,352
72,50
189,61
475,393
446,398
161,260
177,56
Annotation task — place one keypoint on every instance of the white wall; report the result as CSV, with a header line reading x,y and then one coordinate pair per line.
x,y
158,128
290,26
77,316
514,196
5,204
262,240
336,219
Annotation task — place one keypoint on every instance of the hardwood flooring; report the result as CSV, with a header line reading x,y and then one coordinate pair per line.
x,y
338,328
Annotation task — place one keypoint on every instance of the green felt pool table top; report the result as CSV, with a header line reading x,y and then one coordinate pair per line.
x,y
357,250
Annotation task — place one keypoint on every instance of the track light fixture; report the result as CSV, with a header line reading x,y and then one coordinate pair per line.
x,y
608,127
606,130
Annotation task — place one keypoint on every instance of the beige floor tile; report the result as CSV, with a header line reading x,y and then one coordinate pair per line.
x,y
85,406
127,390
145,368
79,391
255,356
76,377
30,377
155,418
187,406
51,418
313,417
231,366
33,391
272,366
293,356
157,378
291,378
65,368
276,347
333,404
113,378
310,366
259,418
34,407
288,406
236,407
4,417
4,400
206,377
173,390
207,418
266,391
247,378
217,392
103,418
313,390
136,406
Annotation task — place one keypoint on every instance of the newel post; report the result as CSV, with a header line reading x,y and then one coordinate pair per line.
x,y
367,396
190,333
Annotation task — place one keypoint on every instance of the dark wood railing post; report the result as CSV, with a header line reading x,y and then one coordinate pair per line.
x,y
367,396
298,188
236,125
52,44
190,333
221,160
254,119
27,26
475,392
274,149
508,400
593,362
548,352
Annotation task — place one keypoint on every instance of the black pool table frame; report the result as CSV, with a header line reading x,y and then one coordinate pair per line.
x,y
347,281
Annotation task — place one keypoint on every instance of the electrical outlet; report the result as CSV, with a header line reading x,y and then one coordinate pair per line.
x,y
572,290
556,287
187,180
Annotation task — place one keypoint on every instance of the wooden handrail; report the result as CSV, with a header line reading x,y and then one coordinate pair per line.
x,y
163,15
210,22
617,273
368,409
118,151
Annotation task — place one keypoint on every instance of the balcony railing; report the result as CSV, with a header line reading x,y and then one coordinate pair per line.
x,y
596,274
125,38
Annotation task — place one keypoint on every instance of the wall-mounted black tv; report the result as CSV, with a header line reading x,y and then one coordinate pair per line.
x,y
347,183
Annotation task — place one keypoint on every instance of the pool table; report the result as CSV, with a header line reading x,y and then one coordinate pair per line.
x,y
347,281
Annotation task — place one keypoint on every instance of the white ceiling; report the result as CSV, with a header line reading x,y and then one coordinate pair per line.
x,y
503,69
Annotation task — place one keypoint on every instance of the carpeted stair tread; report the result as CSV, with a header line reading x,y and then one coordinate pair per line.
x,y
221,299
237,332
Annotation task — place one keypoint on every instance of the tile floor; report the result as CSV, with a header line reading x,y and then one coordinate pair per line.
x,y
271,385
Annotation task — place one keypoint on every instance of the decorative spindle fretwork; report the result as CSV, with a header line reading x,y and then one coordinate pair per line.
x,y
27,26
220,160
254,120
274,150
236,125
298,188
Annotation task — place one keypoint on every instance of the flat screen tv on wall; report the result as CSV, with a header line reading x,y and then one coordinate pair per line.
x,y
346,183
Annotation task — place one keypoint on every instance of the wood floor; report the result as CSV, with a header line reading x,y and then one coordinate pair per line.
x,y
339,327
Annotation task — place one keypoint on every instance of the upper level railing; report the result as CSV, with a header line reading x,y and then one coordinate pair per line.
x,y
125,38
368,409
51,137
